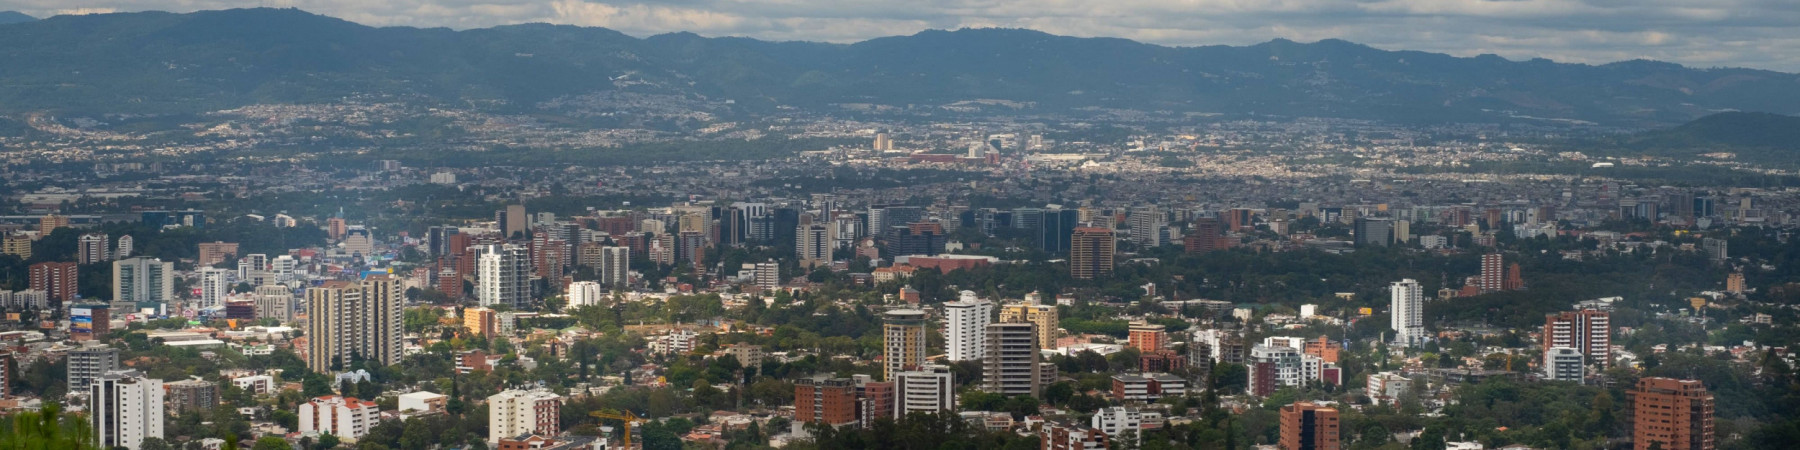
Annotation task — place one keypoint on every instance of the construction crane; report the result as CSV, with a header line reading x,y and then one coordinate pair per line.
x,y
627,417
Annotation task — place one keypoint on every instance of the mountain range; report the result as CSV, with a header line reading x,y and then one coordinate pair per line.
x,y
167,63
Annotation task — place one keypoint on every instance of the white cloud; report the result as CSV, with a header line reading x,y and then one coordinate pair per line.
x,y
1750,33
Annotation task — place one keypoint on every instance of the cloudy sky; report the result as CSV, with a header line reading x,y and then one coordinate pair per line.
x,y
1702,33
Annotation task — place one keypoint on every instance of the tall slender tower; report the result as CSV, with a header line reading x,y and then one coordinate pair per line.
x,y
1091,253
124,408
965,325
1407,315
503,275
904,332
1010,366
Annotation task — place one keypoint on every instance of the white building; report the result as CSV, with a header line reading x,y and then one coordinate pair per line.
x,y
124,408
255,384
422,402
814,244
275,302
504,275
929,390
514,412
965,327
1564,364
344,417
768,275
88,364
143,280
1387,387
1117,420
1407,313
585,293
285,268
1272,368
215,285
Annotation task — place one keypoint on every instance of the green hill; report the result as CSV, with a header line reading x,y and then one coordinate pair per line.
x,y
155,62
1752,136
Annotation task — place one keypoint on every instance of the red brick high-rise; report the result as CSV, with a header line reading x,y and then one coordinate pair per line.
x,y
1514,279
830,401
1492,276
1091,253
1671,414
1204,238
56,279
1306,426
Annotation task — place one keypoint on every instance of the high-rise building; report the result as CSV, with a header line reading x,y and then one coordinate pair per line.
x,y
124,408
194,395
1091,253
1240,220
349,320
1147,224
249,265
88,363
481,321
1273,367
1045,316
1147,337
143,280
275,302
285,268
830,401
1204,237
513,223
1307,426
92,248
584,293
1671,414
503,275
89,322
965,328
56,279
344,417
215,285
1588,331
904,341
1374,232
515,412
16,244
217,252
1407,312
814,244
767,275
1493,273
50,222
929,389
1563,364
615,266
1734,283
1011,360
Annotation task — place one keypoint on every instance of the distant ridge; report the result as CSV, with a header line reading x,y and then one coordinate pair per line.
x,y
158,62
7,17
1751,136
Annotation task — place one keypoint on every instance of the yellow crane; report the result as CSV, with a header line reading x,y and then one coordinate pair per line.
x,y
627,417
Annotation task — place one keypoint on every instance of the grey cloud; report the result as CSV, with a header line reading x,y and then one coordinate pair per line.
x,y
1747,33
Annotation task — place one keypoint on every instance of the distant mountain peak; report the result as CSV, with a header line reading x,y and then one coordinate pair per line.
x,y
7,17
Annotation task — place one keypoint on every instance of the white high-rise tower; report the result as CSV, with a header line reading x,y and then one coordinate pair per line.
x,y
965,327
1408,317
